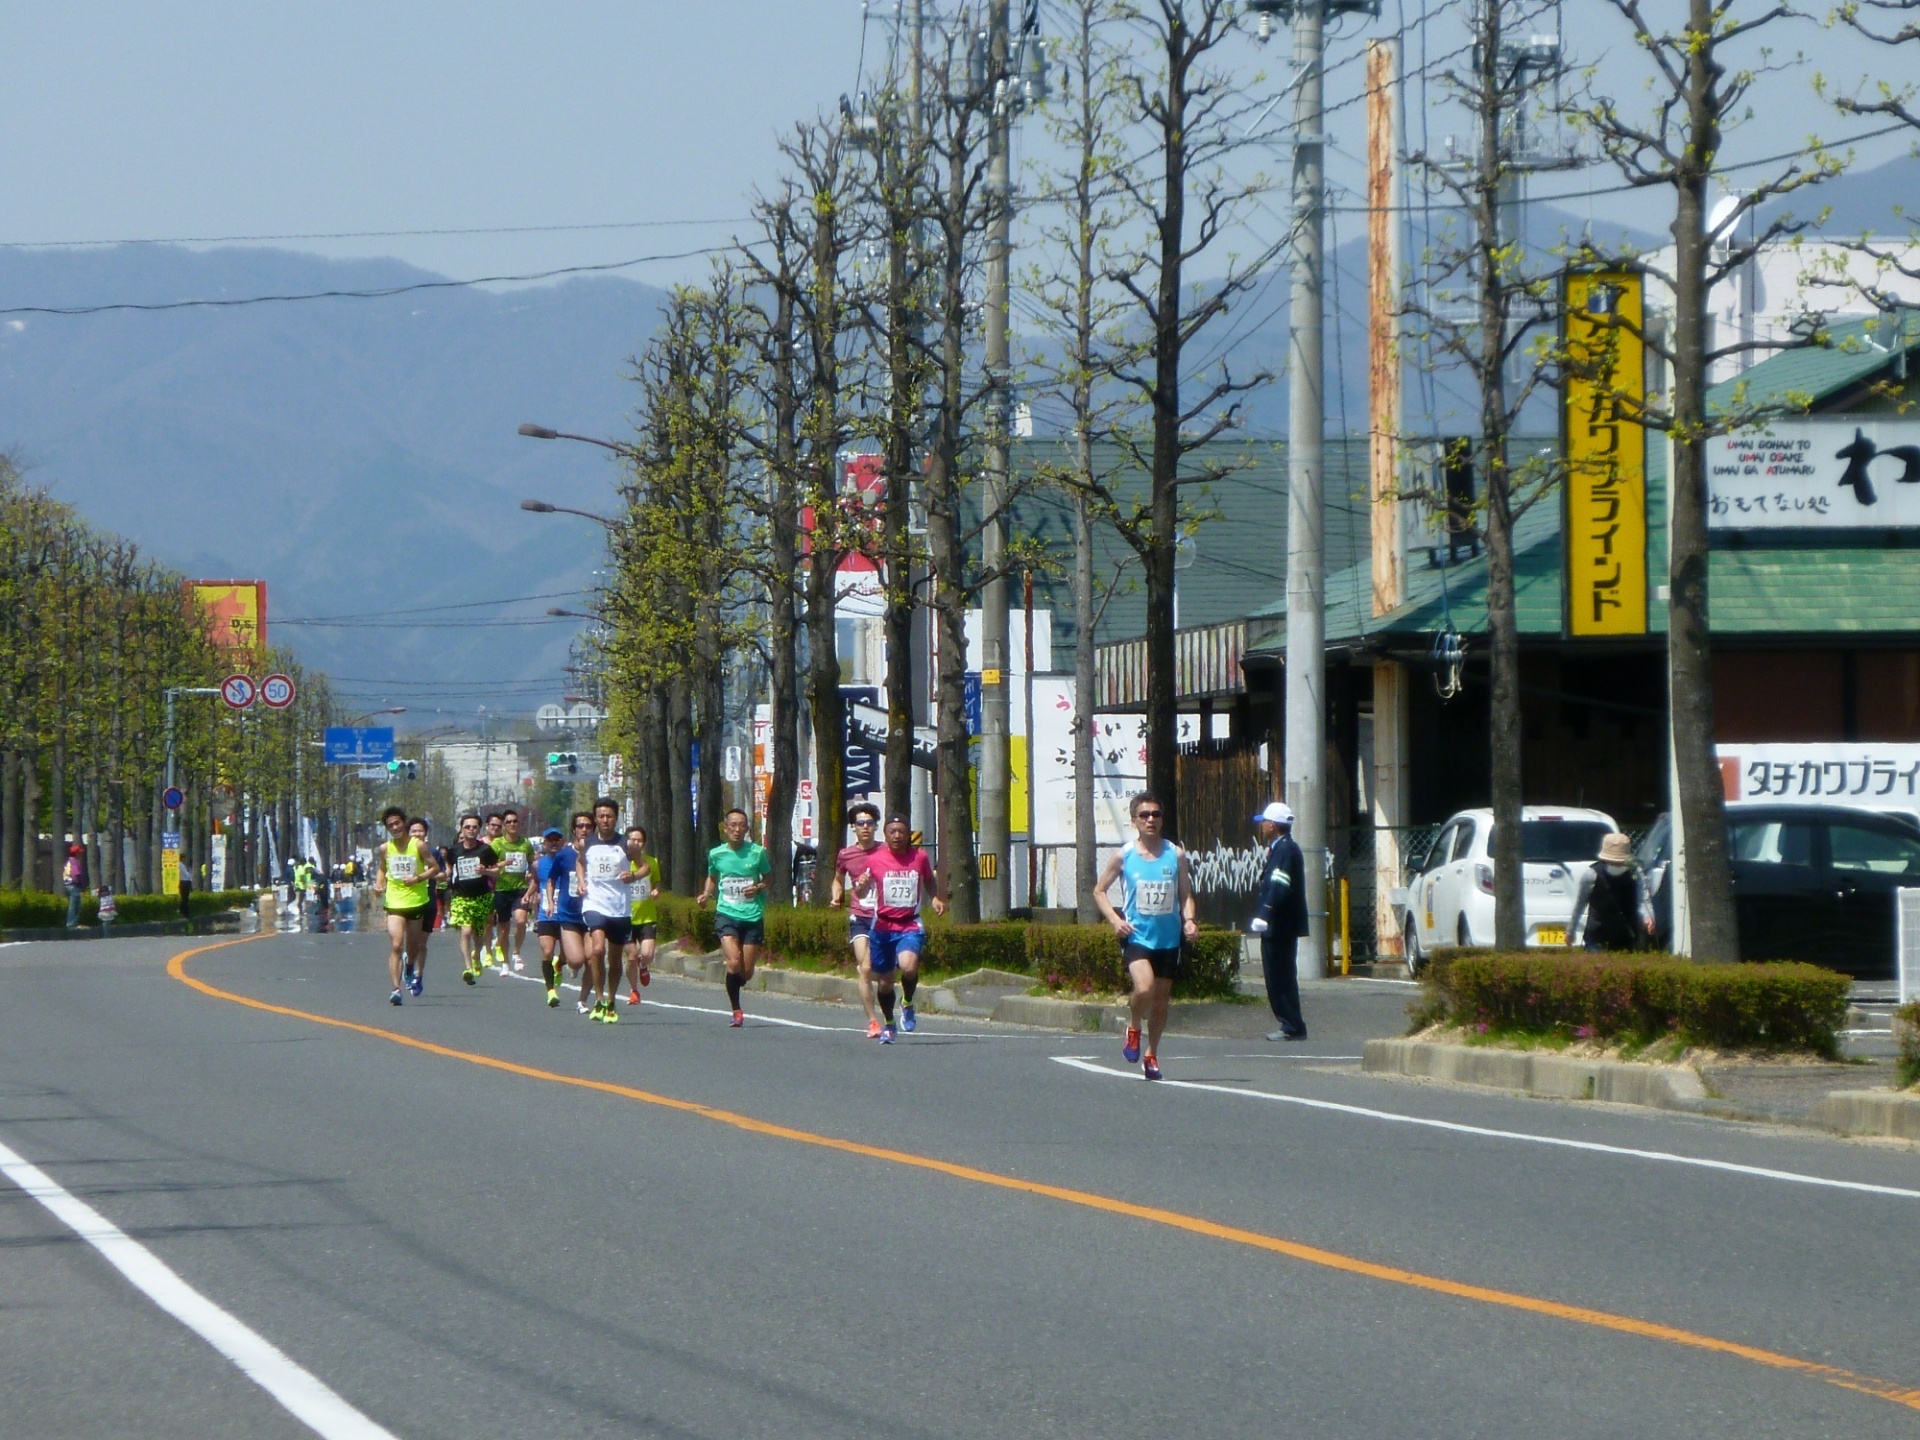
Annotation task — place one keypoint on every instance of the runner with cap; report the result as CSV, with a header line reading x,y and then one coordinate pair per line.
x,y
492,950
852,883
558,926
1154,922
902,880
737,871
1281,918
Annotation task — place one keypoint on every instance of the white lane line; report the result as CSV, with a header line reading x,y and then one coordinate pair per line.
x,y
1793,1177
758,1019
304,1395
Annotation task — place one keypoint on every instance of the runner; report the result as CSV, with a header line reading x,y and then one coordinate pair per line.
x,y
511,897
474,865
403,875
559,926
437,914
901,877
645,912
737,872
607,908
1158,900
573,920
493,946
852,863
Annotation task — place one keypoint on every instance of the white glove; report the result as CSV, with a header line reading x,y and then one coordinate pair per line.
x,y
1258,927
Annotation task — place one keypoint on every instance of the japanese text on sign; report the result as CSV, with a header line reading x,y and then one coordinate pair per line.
x,y
1876,777
1606,450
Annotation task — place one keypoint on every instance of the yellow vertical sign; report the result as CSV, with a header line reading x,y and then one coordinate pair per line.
x,y
1606,453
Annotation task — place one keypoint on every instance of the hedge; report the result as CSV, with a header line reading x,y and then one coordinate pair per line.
x,y
1084,958
1906,1029
38,910
1640,999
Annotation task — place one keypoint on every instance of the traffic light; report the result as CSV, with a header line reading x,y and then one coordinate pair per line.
x,y
562,762
403,769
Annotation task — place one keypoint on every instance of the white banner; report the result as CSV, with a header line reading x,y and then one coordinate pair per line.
x,y
1816,472
1872,777
1119,765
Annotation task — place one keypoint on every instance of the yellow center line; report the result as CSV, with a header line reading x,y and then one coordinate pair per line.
x,y
1194,1225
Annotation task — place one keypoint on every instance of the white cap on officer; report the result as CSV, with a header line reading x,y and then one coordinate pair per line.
x,y
1276,813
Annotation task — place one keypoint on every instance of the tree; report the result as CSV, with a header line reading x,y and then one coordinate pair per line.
x,y
1190,113
1700,91
1510,291
1079,310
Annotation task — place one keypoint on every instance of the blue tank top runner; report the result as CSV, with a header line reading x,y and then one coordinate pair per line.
x,y
1153,896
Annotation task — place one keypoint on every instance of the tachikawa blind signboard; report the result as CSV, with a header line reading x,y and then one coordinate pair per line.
x,y
1868,776
1815,472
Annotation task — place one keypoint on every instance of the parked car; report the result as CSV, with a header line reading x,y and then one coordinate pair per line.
x,y
1810,882
1449,898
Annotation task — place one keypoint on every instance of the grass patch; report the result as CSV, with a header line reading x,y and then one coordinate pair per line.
x,y
1906,1029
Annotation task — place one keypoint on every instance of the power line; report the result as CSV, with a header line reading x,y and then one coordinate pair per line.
x,y
426,609
378,294
363,234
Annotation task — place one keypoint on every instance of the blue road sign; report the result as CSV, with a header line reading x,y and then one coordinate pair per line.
x,y
359,745
173,799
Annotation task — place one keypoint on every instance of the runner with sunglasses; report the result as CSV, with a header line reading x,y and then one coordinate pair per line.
x,y
1158,919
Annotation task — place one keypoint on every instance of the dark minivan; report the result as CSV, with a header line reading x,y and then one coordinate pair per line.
x,y
1810,882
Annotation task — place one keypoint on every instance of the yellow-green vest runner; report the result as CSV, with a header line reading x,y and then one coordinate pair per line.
x,y
411,893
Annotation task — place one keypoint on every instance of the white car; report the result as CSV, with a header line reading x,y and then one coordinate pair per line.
x,y
1449,898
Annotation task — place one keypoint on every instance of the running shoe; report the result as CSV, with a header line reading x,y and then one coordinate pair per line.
x,y
472,977
394,999
553,998
873,1029
886,1035
418,985
646,976
739,1019
907,1022
406,974
610,1015
1149,1066
1130,1047
519,965
633,997
583,1007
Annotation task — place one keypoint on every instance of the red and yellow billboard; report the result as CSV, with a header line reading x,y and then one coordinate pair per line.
x,y
236,612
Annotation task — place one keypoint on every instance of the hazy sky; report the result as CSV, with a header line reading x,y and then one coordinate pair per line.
x,y
130,119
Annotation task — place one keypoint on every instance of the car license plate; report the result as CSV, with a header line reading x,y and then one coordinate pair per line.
x,y
1551,934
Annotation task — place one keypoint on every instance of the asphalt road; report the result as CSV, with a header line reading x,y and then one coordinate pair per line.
x,y
545,1226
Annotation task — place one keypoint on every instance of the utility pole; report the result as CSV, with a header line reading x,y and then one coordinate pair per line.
x,y
996,838
1306,753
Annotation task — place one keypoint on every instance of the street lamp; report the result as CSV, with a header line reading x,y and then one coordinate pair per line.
x,y
542,507
390,710
542,432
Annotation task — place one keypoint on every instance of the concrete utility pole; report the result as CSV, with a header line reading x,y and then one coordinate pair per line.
x,y
1306,756
1385,226
995,749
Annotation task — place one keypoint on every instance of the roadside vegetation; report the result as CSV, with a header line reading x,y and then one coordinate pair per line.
x,y
1075,960
1906,1026
1644,1006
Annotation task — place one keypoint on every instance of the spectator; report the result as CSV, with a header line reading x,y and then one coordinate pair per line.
x,y
1612,909
74,880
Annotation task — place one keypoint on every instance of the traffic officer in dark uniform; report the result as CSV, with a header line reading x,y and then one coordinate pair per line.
x,y
1281,918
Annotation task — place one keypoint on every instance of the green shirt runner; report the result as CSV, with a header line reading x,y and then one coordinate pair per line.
x,y
513,873
643,891
735,870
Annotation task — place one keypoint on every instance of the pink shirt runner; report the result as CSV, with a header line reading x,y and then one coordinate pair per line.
x,y
901,885
855,862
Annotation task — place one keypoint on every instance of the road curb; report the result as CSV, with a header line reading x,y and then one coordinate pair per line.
x,y
1045,1013
224,922
1552,1077
1891,1113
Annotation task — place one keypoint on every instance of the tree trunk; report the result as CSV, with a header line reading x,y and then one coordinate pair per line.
x,y
687,874
57,808
713,741
9,819
1086,849
1709,878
